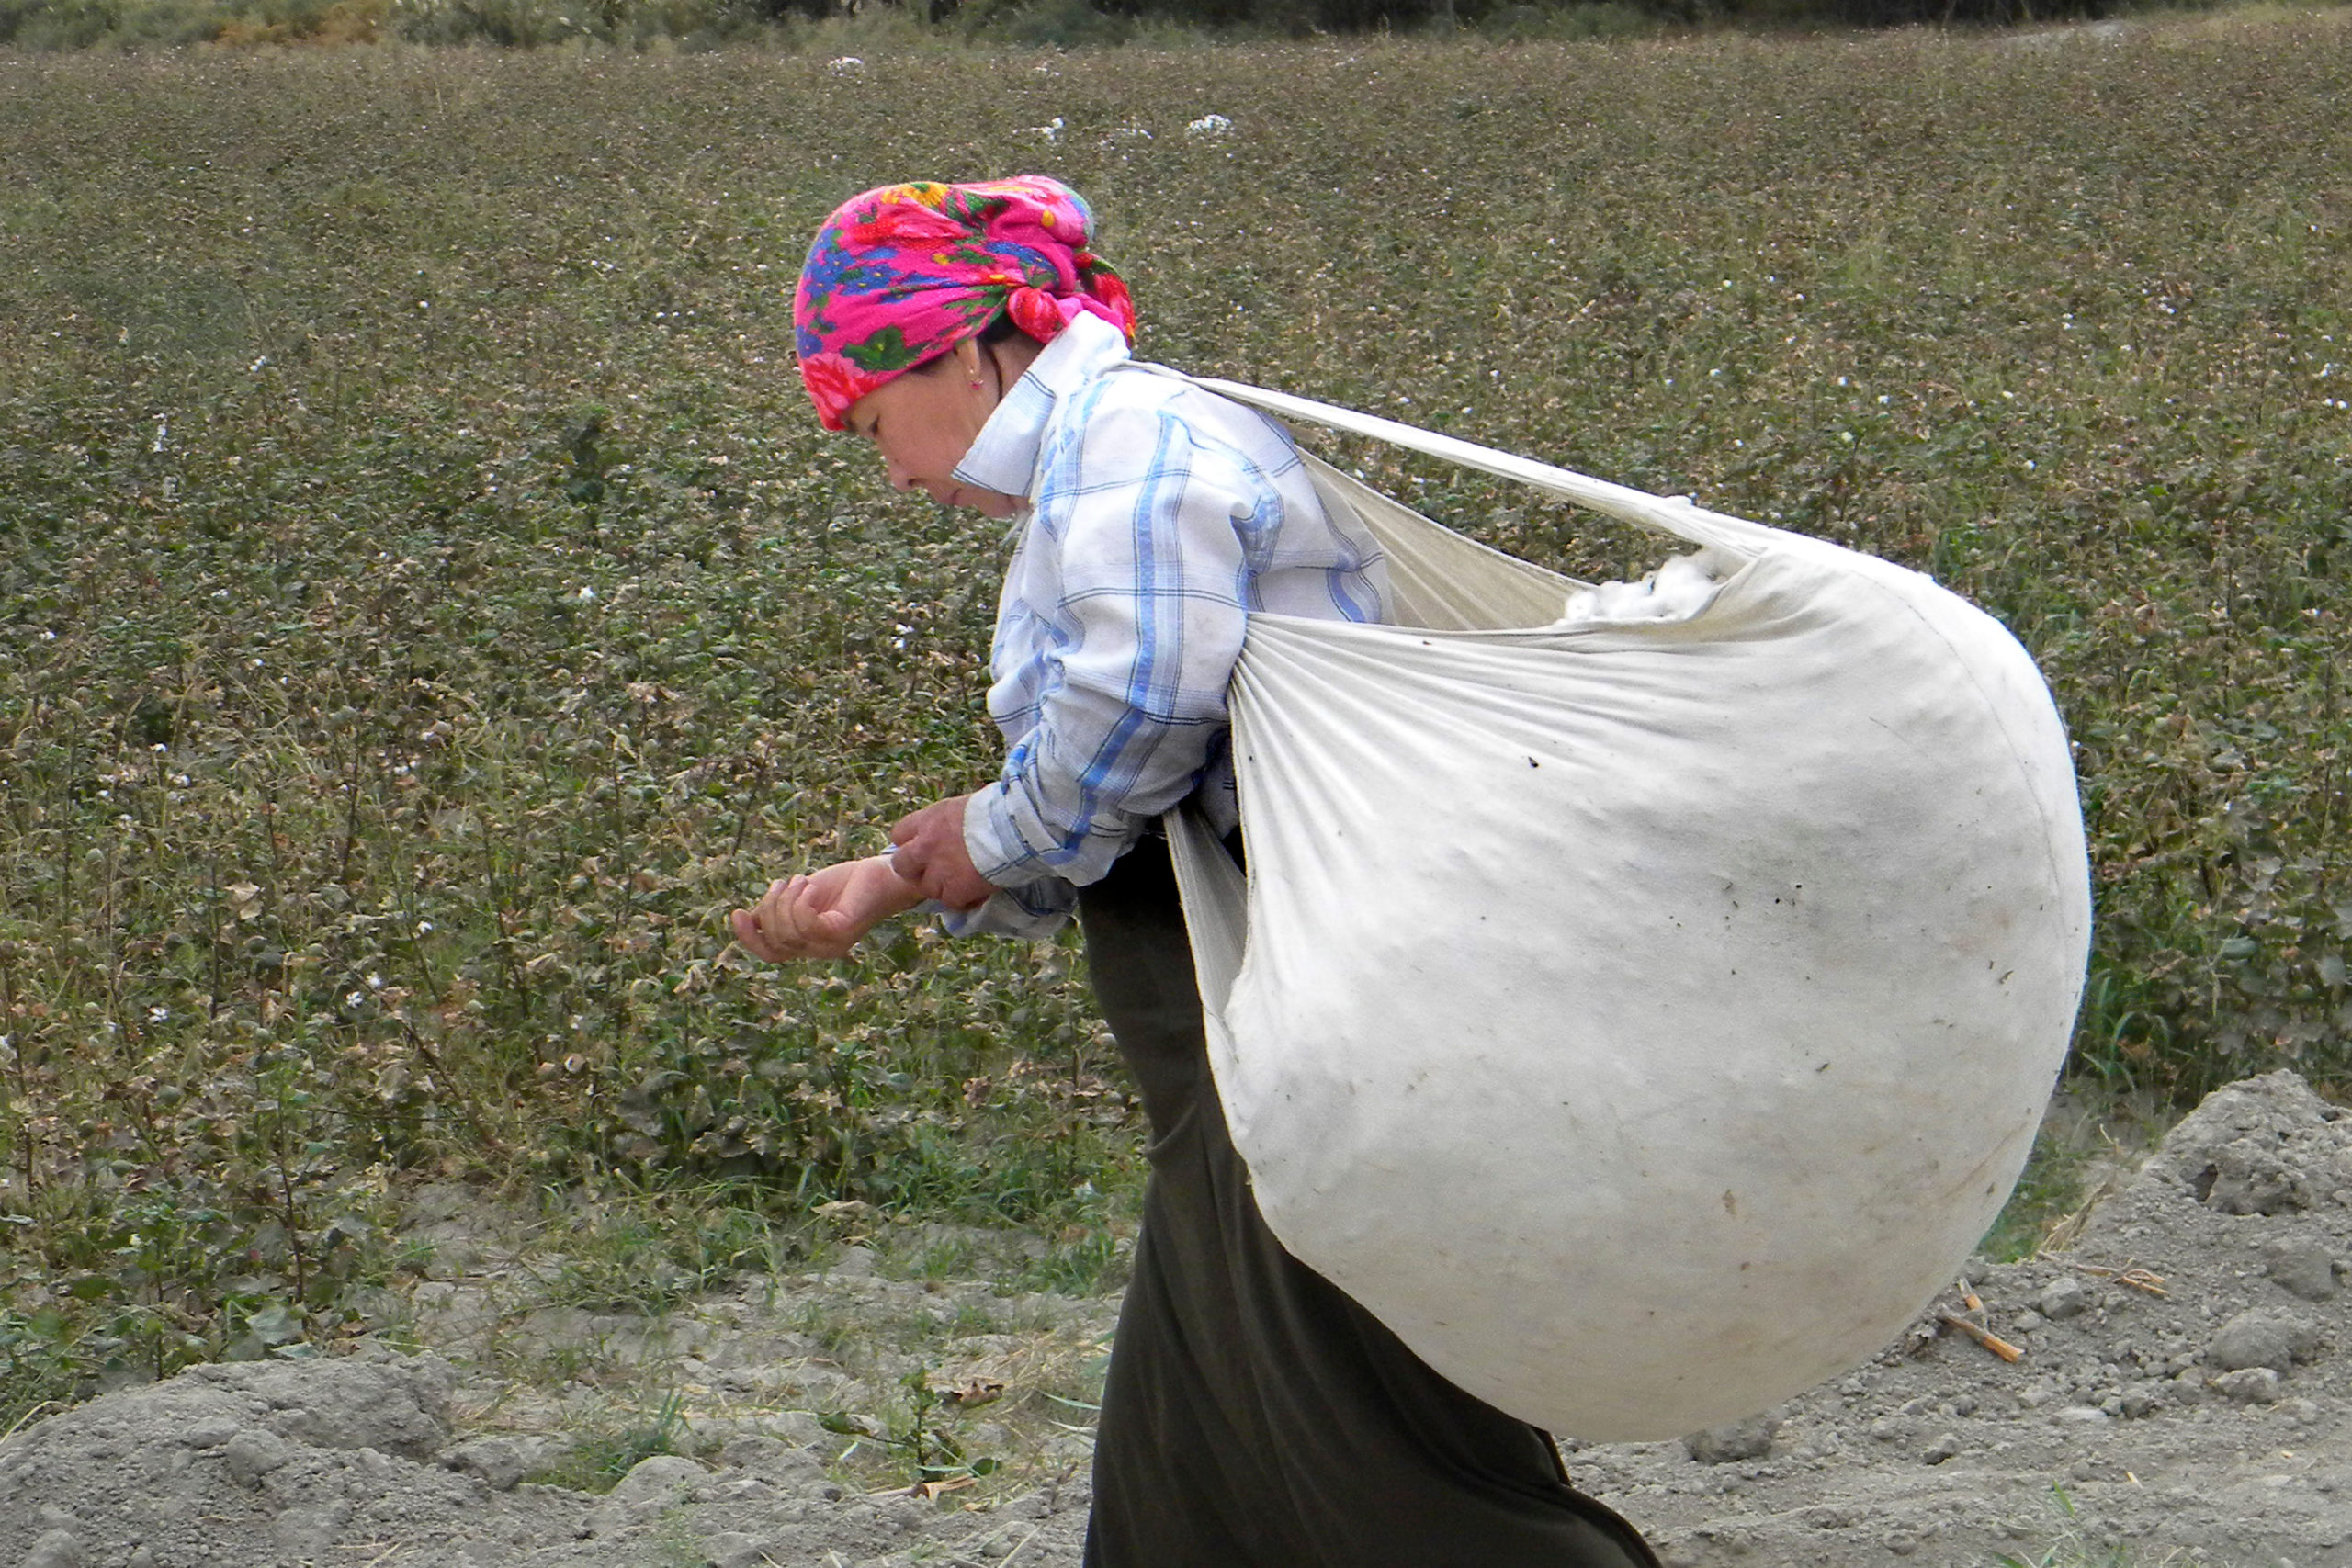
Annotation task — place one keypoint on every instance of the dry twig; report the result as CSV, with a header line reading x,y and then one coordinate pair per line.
x,y
1984,1335
2138,1278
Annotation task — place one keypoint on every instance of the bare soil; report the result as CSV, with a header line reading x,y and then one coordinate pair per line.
x,y
2181,1395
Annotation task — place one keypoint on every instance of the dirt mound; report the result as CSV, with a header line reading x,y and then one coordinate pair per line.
x,y
353,1461
2182,1380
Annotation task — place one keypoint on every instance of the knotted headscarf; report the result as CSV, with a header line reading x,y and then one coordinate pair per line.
x,y
904,273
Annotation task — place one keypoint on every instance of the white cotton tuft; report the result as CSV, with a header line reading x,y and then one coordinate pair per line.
x,y
1678,590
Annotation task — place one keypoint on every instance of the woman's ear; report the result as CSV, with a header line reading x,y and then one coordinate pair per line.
x,y
969,357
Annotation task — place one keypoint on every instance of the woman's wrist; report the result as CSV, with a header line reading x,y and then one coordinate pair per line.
x,y
887,890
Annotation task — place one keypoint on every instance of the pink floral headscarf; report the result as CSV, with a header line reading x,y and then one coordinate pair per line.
x,y
904,273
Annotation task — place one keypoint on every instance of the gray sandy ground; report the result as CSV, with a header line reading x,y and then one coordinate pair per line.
x,y
2204,1424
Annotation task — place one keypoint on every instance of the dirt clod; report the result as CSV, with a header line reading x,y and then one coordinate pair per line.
x,y
1752,1438
2304,1269
2062,1298
2249,1385
57,1548
2263,1338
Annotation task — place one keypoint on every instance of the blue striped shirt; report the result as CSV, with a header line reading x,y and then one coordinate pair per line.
x,y
1162,516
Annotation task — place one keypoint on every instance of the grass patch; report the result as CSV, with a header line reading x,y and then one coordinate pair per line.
x,y
40,1371
626,1247
2078,1544
2090,1143
600,1455
2052,1188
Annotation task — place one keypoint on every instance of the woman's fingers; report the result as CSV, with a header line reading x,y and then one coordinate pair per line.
x,y
777,928
823,914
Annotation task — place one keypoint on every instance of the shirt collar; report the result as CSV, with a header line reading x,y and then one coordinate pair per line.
x,y
1004,457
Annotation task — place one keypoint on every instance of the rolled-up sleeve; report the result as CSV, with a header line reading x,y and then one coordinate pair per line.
x,y
1033,911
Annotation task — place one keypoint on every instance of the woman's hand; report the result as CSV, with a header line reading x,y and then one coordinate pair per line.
x,y
932,855
824,914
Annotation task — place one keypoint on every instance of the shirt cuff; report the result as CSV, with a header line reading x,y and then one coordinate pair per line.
x,y
994,819
1032,912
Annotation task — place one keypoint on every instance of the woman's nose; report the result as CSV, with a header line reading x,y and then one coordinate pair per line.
x,y
900,477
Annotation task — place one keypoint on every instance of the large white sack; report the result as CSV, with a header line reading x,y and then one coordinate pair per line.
x,y
1644,1021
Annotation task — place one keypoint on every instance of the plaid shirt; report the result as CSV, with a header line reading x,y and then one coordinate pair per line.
x,y
1161,517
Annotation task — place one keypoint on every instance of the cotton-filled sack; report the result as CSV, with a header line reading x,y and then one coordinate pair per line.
x,y
1644,1017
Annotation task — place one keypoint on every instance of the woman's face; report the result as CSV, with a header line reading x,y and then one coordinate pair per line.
x,y
925,421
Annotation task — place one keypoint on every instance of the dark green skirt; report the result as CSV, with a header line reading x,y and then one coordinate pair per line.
x,y
1255,1416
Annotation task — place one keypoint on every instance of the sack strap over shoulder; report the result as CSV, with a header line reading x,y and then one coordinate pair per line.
x,y
1678,516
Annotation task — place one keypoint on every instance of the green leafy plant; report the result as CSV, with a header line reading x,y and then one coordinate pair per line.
x,y
919,1435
